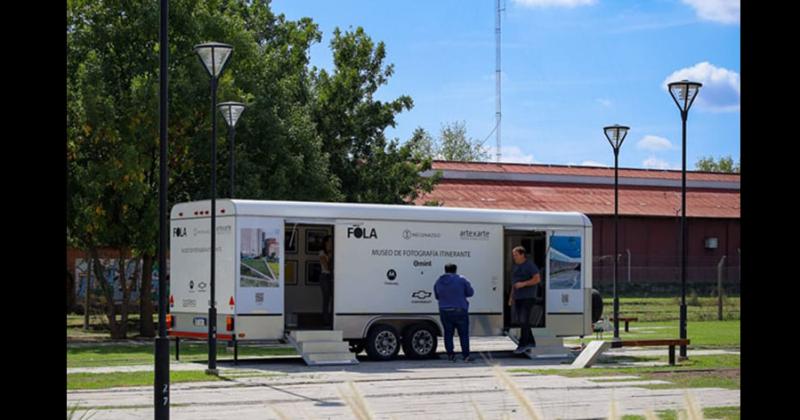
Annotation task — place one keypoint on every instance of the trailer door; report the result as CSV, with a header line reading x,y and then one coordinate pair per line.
x,y
259,278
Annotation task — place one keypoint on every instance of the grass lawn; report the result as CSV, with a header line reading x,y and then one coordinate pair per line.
x,y
120,379
722,413
142,354
703,334
717,371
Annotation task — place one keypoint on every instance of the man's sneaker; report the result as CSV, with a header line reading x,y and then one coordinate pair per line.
x,y
451,357
519,350
468,359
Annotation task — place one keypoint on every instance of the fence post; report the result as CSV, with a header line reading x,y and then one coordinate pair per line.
x,y
719,286
86,290
629,265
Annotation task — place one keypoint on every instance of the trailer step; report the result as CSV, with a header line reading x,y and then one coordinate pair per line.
x,y
546,347
322,347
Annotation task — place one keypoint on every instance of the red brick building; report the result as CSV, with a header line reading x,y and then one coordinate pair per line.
x,y
649,208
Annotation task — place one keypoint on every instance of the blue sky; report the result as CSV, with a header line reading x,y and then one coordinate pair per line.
x,y
569,67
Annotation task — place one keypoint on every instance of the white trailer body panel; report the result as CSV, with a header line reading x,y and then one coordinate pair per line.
x,y
190,275
386,267
473,239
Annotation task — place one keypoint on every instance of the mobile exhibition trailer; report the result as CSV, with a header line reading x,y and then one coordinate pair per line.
x,y
386,259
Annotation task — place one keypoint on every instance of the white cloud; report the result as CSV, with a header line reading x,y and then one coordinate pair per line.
x,y
654,143
554,3
604,102
654,163
721,87
722,11
510,154
593,163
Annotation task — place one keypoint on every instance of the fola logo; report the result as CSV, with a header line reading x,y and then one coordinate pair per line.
x,y
179,232
362,232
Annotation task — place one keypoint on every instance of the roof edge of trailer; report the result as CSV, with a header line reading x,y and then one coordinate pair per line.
x,y
336,210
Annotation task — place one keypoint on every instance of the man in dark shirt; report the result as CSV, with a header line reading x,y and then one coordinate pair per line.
x,y
452,291
525,279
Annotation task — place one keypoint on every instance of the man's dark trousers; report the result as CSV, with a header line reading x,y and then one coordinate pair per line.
x,y
524,307
455,319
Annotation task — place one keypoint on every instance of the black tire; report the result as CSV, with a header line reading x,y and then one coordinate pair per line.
x,y
383,342
419,341
597,306
356,347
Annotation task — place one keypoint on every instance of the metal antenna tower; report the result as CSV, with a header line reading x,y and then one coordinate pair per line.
x,y
497,78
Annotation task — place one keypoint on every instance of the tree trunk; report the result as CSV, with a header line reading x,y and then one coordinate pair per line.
x,y
146,327
108,291
125,284
70,291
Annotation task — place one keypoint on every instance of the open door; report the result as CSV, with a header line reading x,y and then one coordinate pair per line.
x,y
259,278
535,244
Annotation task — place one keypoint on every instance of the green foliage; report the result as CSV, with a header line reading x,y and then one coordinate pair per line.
x,y
724,164
351,124
305,135
454,144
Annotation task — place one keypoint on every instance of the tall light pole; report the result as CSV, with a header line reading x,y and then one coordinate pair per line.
x,y
231,112
684,94
161,380
214,56
616,135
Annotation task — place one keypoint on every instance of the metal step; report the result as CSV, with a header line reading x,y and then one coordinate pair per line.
x,y
316,335
546,346
330,358
322,347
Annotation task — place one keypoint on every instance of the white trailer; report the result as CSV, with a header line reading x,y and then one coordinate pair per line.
x,y
386,261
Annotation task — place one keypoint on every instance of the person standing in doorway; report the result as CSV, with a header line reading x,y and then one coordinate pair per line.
x,y
452,291
525,280
326,279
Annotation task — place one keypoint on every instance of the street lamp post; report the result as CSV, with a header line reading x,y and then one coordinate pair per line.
x,y
214,56
683,93
231,112
161,374
616,135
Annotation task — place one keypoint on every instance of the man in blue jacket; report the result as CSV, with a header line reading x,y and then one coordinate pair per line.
x,y
452,291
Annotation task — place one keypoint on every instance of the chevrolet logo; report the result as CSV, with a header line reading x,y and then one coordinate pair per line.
x,y
421,294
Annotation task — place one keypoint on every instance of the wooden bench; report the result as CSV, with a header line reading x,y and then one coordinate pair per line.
x,y
648,343
626,320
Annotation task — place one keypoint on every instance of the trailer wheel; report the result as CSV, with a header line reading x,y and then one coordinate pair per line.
x,y
419,341
597,305
383,342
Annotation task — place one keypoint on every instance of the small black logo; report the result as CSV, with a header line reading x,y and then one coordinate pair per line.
x,y
191,284
362,232
421,294
479,235
406,234
179,232
391,274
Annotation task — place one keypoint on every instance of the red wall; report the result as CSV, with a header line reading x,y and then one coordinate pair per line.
x,y
654,245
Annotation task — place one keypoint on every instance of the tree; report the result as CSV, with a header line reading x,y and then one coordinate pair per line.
x,y
351,123
422,143
306,134
455,145
725,164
